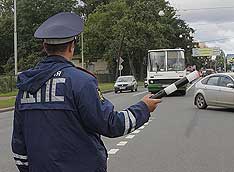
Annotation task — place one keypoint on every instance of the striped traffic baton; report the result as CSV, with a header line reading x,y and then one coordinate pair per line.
x,y
175,86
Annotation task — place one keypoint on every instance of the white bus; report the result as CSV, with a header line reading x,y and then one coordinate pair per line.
x,y
165,66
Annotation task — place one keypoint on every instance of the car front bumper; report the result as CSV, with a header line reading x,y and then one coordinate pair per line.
x,y
123,88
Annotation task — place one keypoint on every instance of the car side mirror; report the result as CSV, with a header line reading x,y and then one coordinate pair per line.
x,y
230,85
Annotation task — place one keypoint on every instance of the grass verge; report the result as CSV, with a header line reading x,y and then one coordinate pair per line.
x,y
13,93
7,103
106,86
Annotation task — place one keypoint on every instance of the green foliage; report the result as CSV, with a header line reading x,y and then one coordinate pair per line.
x,y
31,14
114,28
106,86
7,32
129,29
29,61
9,94
7,84
7,103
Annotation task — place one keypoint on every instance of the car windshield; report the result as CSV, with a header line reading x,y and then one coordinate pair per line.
x,y
124,79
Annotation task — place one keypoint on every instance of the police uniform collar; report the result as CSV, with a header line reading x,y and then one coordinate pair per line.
x,y
57,59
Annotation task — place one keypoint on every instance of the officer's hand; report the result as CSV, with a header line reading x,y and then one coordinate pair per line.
x,y
151,103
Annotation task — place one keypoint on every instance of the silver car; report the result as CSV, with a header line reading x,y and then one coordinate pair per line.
x,y
215,90
125,83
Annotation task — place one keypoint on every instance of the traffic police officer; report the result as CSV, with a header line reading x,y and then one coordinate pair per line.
x,y
60,114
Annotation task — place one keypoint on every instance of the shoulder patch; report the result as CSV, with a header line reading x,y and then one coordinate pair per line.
x,y
101,97
90,73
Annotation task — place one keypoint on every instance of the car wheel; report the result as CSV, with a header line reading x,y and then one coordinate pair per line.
x,y
200,101
116,91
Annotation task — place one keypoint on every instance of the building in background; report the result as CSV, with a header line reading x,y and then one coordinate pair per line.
x,y
99,67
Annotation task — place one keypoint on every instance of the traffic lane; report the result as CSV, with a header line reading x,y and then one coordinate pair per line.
x,y
6,159
122,101
181,138
115,98
5,120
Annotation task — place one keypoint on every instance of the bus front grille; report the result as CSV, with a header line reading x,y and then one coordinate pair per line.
x,y
162,81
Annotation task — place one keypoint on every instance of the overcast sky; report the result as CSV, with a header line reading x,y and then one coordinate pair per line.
x,y
210,24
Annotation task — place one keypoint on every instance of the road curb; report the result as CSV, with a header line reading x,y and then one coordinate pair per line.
x,y
7,109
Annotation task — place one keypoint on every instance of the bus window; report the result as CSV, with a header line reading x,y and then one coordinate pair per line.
x,y
175,61
157,61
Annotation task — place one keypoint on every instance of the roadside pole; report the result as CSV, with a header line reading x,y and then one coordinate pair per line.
x,y
225,64
15,39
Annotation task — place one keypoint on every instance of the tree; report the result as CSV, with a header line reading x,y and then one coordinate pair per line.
x,y
6,30
130,28
31,14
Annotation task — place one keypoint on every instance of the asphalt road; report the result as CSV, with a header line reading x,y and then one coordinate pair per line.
x,y
178,138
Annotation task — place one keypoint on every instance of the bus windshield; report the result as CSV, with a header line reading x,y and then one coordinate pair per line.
x,y
157,61
175,61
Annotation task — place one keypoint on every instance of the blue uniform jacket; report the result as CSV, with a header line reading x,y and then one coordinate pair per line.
x,y
59,117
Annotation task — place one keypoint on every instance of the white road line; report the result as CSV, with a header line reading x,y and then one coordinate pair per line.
x,y
141,128
150,120
146,124
140,93
136,131
130,136
113,151
123,143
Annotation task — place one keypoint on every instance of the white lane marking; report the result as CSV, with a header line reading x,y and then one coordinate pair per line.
x,y
140,93
113,151
130,136
146,124
141,128
150,120
136,131
122,143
